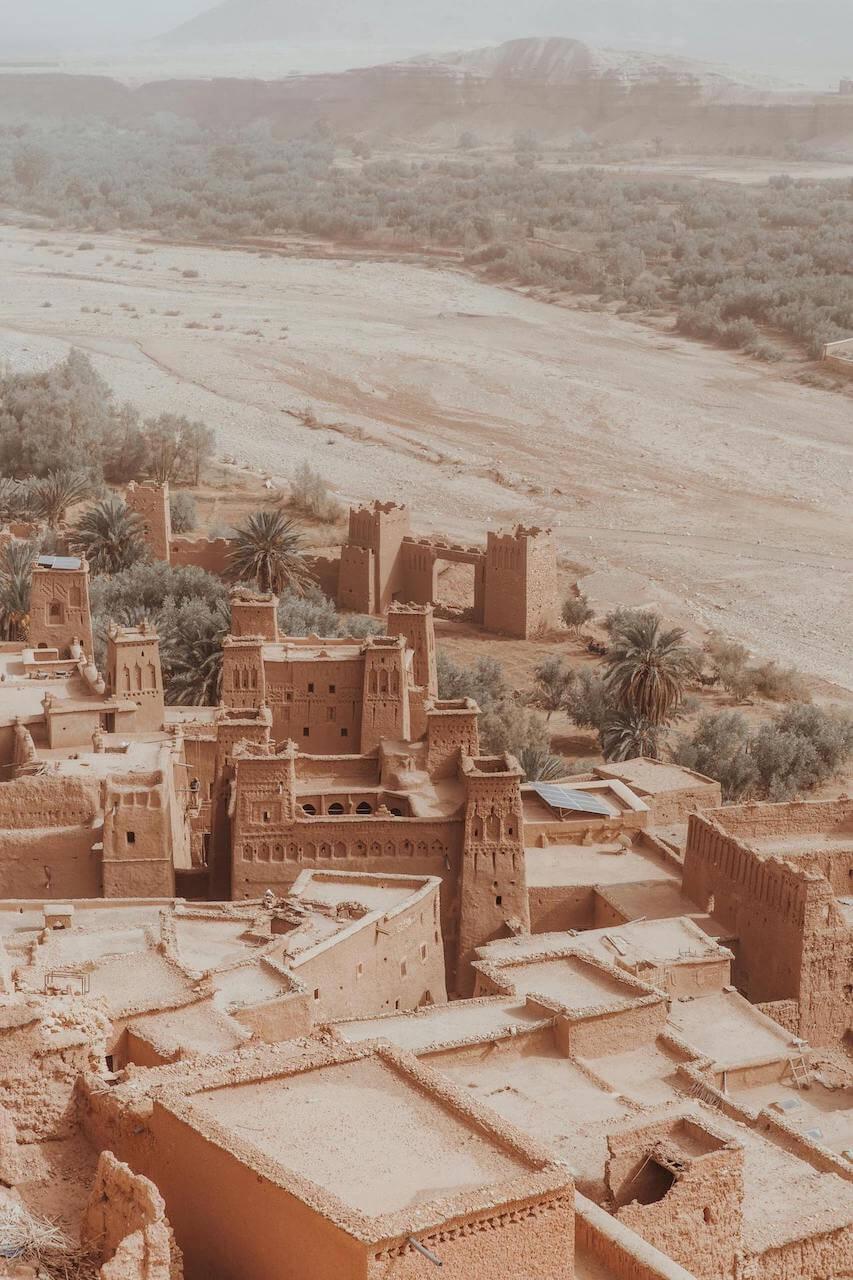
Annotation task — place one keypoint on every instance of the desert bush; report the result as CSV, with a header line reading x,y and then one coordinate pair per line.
x,y
731,662
576,611
588,701
183,511
719,748
310,495
552,680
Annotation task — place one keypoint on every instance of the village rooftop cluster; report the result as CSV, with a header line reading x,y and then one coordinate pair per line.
x,y
306,985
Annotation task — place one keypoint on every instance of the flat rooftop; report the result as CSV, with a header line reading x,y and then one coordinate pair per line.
x,y
727,1028
364,1132
653,777
656,942
320,651
570,981
605,864
444,1024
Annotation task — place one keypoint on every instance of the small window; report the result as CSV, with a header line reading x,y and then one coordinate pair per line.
x,y
309,809
267,816
396,813
498,900
316,993
404,968
423,951
55,611
310,686
331,713
344,733
130,837
336,808
363,808
359,970
333,688
306,732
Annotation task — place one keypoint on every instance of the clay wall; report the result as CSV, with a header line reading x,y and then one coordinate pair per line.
x,y
49,843
254,615
420,566
59,609
451,732
493,889
556,908
620,1253
134,673
385,702
125,1225
417,627
150,501
520,583
274,857
145,834
537,1236
282,1018
698,1221
212,554
231,1220
394,963
326,572
793,943
356,577
826,1254
593,1033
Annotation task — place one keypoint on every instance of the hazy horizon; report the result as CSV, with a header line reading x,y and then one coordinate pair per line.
x,y
791,38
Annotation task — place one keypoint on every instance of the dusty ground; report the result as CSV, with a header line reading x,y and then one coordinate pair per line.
x,y
674,473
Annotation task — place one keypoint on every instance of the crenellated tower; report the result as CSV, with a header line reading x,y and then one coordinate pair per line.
x,y
493,889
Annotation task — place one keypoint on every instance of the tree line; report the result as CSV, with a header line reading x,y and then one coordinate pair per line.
x,y
730,261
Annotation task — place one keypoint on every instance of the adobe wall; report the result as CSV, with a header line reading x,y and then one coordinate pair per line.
x,y
667,808
533,1240
326,572
594,1033
232,1220
520,583
48,838
793,943
274,858
557,908
282,1018
698,1222
212,554
150,501
59,609
44,1048
493,887
395,963
621,1254
828,1255
125,1225
139,837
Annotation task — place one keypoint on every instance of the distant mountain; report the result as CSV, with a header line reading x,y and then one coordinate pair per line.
x,y
790,37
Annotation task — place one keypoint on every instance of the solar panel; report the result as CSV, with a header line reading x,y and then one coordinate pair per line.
x,y
567,798
59,562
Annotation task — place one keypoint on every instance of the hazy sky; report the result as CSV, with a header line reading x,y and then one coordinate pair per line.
x,y
793,38
85,21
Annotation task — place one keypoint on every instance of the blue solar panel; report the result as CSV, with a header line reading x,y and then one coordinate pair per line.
x,y
567,798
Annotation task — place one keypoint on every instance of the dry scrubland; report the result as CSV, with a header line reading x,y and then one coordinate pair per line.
x,y
673,473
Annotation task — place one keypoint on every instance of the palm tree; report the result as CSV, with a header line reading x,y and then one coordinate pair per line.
x,y
647,669
16,499
110,536
191,645
268,552
628,734
539,765
57,491
16,575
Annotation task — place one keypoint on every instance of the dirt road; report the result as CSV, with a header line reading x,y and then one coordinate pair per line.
x,y
676,473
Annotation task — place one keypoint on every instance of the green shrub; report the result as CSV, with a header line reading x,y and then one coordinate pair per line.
x,y
183,510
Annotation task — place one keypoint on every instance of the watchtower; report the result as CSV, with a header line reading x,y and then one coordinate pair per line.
x,y
415,623
254,614
385,697
59,605
520,582
371,570
150,501
134,673
493,890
